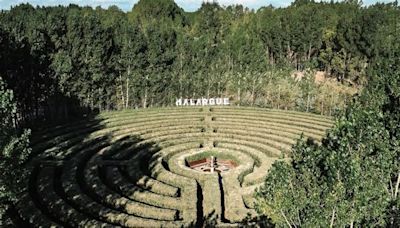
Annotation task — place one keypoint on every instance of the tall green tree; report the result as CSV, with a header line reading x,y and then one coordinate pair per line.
x,y
132,63
14,151
341,183
161,55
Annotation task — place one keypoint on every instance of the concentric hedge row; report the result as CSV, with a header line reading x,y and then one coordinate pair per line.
x,y
128,168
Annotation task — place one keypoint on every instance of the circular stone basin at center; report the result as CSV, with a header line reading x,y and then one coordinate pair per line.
x,y
212,164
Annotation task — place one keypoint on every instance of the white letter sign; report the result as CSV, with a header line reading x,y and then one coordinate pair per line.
x,y
202,102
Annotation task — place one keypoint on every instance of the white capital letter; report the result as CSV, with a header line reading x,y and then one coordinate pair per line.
x,y
226,101
211,101
179,102
204,101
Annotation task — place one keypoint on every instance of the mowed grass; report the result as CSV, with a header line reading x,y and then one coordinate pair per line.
x,y
128,168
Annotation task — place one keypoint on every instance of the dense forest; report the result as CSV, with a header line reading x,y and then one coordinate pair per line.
x,y
60,61
57,63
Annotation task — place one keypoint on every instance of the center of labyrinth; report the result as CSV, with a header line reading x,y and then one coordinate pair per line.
x,y
175,167
210,162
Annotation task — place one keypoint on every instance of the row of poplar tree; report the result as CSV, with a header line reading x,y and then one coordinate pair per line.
x,y
60,61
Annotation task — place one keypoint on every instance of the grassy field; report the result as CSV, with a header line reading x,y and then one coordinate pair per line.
x,y
128,168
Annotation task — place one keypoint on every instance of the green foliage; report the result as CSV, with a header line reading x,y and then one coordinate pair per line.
x,y
344,181
353,178
154,11
14,151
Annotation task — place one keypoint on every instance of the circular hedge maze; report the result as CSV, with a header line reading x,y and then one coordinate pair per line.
x,y
130,168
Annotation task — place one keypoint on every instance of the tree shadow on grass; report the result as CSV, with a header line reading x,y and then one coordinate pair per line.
x,y
212,220
90,175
